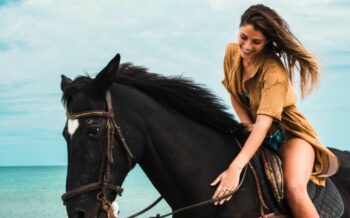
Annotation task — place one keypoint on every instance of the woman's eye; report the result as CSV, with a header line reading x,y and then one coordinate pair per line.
x,y
243,37
257,43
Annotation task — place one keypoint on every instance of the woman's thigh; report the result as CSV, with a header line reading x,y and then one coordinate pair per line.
x,y
298,158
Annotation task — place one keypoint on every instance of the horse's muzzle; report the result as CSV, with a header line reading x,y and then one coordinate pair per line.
x,y
92,212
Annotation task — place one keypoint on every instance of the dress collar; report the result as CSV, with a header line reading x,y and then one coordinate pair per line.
x,y
236,71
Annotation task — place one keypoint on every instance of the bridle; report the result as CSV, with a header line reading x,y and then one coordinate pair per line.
x,y
103,183
104,178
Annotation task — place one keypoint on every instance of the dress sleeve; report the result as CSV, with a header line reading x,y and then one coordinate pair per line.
x,y
227,67
274,91
226,85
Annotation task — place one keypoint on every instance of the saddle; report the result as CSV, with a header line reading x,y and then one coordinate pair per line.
x,y
268,165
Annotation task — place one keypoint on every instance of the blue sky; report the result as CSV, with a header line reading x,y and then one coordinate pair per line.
x,y
41,39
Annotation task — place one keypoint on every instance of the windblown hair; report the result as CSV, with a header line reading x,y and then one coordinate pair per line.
x,y
285,44
177,93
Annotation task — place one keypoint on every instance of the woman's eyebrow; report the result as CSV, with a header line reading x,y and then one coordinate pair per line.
x,y
256,39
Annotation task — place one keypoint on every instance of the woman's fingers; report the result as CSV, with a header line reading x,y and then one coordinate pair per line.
x,y
217,192
227,182
221,191
229,198
216,181
225,192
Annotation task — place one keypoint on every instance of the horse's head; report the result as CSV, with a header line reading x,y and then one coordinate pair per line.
x,y
95,149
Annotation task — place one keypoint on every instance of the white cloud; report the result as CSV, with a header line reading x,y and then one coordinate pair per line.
x,y
227,5
161,34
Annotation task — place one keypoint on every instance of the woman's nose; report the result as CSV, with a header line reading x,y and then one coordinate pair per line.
x,y
247,46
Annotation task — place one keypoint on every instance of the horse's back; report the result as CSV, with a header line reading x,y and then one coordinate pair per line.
x,y
342,178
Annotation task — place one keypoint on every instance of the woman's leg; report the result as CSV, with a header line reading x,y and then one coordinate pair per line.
x,y
298,158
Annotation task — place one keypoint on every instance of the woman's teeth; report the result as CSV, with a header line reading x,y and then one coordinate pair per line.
x,y
247,52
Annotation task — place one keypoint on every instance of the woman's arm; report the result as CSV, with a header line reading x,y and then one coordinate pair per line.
x,y
258,132
255,139
241,112
229,179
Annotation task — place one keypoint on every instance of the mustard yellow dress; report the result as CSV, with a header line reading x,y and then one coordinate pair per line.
x,y
271,93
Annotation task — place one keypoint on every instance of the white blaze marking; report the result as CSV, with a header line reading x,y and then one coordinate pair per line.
x,y
73,125
115,208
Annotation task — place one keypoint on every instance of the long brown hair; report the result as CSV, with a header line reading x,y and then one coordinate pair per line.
x,y
285,44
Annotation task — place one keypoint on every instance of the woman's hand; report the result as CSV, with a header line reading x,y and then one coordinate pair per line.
x,y
228,182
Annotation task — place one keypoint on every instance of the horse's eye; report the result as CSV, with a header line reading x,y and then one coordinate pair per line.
x,y
93,131
89,121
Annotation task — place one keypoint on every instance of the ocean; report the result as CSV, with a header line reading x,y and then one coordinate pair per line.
x,y
35,192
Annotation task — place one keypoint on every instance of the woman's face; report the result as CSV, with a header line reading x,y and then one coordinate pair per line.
x,y
251,41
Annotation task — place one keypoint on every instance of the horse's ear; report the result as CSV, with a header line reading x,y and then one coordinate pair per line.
x,y
65,82
104,79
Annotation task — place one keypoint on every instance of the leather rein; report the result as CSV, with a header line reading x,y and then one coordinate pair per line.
x,y
103,183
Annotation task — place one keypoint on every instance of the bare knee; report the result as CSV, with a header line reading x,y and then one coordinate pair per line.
x,y
295,190
298,160
299,200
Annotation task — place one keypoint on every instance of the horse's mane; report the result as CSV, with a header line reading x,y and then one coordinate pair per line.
x,y
178,93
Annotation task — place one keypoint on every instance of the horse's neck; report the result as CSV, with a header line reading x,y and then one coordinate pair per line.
x,y
181,157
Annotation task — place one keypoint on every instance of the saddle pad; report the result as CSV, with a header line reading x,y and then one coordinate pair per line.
x,y
327,200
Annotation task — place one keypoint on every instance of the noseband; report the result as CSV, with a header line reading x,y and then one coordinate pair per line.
x,y
104,178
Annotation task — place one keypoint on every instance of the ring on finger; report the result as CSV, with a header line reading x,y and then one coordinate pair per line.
x,y
227,190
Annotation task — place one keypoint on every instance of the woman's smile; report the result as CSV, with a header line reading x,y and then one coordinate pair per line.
x,y
247,53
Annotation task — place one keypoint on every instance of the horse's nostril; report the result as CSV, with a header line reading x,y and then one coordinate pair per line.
x,y
79,214
102,214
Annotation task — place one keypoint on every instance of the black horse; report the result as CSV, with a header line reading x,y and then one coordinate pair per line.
x,y
177,131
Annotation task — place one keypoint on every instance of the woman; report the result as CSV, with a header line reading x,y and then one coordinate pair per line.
x,y
259,71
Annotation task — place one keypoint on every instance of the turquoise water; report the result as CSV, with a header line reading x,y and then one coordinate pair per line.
x,y
36,192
